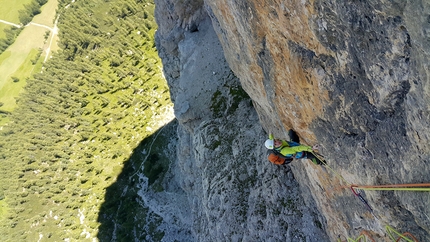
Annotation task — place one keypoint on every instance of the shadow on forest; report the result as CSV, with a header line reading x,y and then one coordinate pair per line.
x,y
123,216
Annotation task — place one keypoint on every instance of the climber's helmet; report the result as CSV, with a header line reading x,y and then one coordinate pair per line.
x,y
269,144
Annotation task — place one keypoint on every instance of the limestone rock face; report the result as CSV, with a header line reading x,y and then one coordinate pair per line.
x,y
351,76
235,194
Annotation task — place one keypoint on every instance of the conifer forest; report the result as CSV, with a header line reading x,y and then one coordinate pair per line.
x,y
78,122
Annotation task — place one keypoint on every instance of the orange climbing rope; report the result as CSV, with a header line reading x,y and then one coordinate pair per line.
x,y
425,187
393,234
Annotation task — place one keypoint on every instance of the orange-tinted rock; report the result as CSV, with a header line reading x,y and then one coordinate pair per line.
x,y
350,76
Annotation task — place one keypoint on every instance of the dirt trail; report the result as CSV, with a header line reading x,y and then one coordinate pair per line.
x,y
9,23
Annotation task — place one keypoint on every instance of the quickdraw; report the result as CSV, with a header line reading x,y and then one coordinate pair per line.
x,y
416,187
357,194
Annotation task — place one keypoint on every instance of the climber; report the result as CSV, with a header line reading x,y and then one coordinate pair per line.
x,y
283,152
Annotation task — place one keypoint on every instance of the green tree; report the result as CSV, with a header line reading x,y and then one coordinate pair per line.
x,y
75,121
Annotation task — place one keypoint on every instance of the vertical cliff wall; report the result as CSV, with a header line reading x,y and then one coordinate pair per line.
x,y
350,76
234,193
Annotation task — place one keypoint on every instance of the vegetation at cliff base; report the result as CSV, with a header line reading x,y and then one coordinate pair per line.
x,y
124,215
79,120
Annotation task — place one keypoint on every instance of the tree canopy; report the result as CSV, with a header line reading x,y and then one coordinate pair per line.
x,y
79,119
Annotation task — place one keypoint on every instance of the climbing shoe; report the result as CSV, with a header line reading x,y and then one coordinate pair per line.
x,y
313,158
316,161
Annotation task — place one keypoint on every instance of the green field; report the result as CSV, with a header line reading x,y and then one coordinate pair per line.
x,y
17,63
46,17
9,12
17,81
9,9
2,28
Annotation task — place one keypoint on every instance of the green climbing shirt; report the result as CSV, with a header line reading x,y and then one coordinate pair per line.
x,y
291,149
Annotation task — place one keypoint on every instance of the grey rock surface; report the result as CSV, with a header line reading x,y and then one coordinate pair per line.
x,y
350,76
235,194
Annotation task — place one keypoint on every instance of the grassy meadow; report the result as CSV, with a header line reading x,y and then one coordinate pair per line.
x,y
9,12
22,58
48,14
2,28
